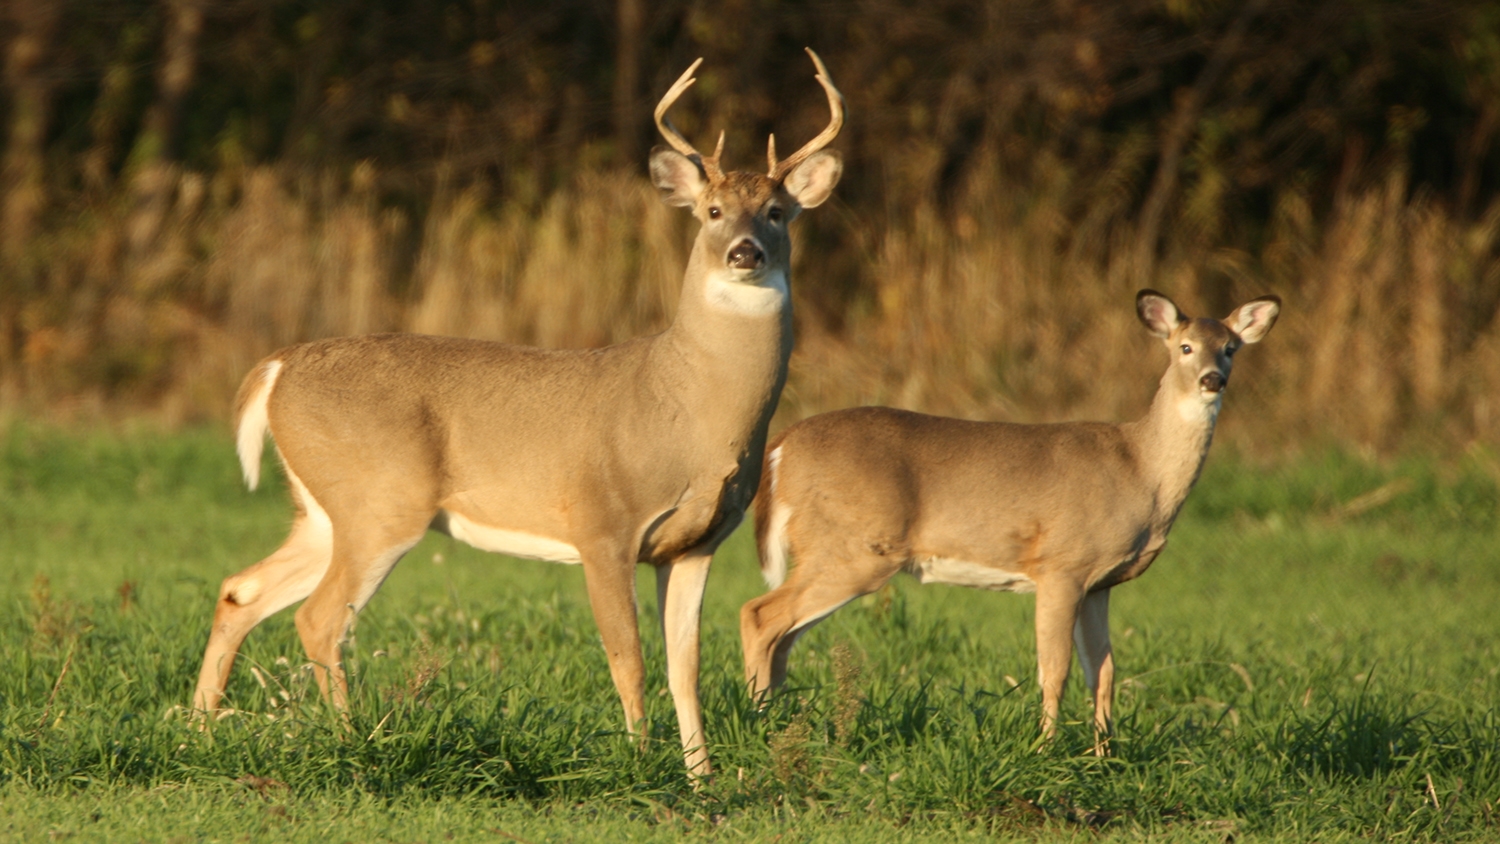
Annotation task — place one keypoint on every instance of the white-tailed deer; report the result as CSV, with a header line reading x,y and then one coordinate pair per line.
x,y
1066,510
644,452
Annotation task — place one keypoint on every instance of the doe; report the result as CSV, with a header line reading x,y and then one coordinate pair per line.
x,y
1066,510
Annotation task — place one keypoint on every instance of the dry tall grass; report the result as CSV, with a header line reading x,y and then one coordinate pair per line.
x,y
999,309
1388,330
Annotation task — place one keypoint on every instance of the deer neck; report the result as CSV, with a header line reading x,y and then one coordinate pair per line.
x,y
726,352
1171,443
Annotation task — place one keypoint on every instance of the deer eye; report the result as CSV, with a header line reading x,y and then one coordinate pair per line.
x,y
1186,349
774,215
714,213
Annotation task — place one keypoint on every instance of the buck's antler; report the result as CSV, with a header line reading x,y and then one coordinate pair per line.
x,y
779,170
675,138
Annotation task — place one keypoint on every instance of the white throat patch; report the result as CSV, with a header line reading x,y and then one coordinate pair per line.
x,y
763,297
1194,409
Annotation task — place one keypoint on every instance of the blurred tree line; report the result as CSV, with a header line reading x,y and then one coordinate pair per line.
x,y
1159,107
1148,125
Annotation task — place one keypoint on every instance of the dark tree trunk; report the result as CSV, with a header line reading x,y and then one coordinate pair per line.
x,y
629,18
23,176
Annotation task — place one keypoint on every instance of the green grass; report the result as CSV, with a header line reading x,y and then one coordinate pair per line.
x,y
1305,661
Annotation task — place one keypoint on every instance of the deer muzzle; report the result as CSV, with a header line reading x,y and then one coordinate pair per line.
x,y
1212,382
746,255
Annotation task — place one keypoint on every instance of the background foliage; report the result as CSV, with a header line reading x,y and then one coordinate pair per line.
x,y
188,184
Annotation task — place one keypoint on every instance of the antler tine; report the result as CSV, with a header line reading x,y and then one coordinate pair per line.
x,y
836,122
711,164
668,131
675,138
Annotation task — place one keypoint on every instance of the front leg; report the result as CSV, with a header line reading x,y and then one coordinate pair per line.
x,y
610,577
1057,604
679,592
1091,633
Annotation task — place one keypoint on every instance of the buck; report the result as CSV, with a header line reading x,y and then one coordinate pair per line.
x,y
648,451
1067,511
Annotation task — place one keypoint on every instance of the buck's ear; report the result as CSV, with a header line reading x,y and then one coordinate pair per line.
x,y
680,179
1158,313
1254,318
812,181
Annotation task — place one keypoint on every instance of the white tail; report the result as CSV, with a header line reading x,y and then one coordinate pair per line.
x,y
648,451
770,532
1067,511
251,418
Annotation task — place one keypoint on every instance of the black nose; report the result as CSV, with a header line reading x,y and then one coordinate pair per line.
x,y
746,255
1213,382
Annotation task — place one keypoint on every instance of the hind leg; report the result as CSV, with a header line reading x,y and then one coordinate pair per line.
x,y
772,623
255,594
364,552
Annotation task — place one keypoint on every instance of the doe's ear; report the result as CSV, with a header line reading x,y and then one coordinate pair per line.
x,y
812,181
1254,318
680,179
1158,313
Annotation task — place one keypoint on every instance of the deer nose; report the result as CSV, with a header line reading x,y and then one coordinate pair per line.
x,y
1212,382
746,255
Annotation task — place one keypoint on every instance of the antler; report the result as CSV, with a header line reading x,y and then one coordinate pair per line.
x,y
674,137
778,171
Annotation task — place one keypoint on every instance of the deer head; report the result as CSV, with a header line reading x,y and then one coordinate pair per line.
x,y
745,215
1203,349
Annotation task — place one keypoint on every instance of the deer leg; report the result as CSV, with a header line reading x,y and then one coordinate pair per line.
x,y
771,624
255,594
679,591
1091,634
362,558
1056,612
764,620
610,578
782,652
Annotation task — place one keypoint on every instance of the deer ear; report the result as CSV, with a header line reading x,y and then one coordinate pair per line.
x,y
812,181
1158,313
1254,318
680,179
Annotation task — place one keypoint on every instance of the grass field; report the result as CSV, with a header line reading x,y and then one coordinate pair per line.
x,y
1314,657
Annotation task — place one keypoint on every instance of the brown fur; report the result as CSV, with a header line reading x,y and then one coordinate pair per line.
x,y
646,451
1070,510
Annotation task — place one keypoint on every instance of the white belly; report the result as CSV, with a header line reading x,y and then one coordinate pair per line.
x,y
965,573
512,542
